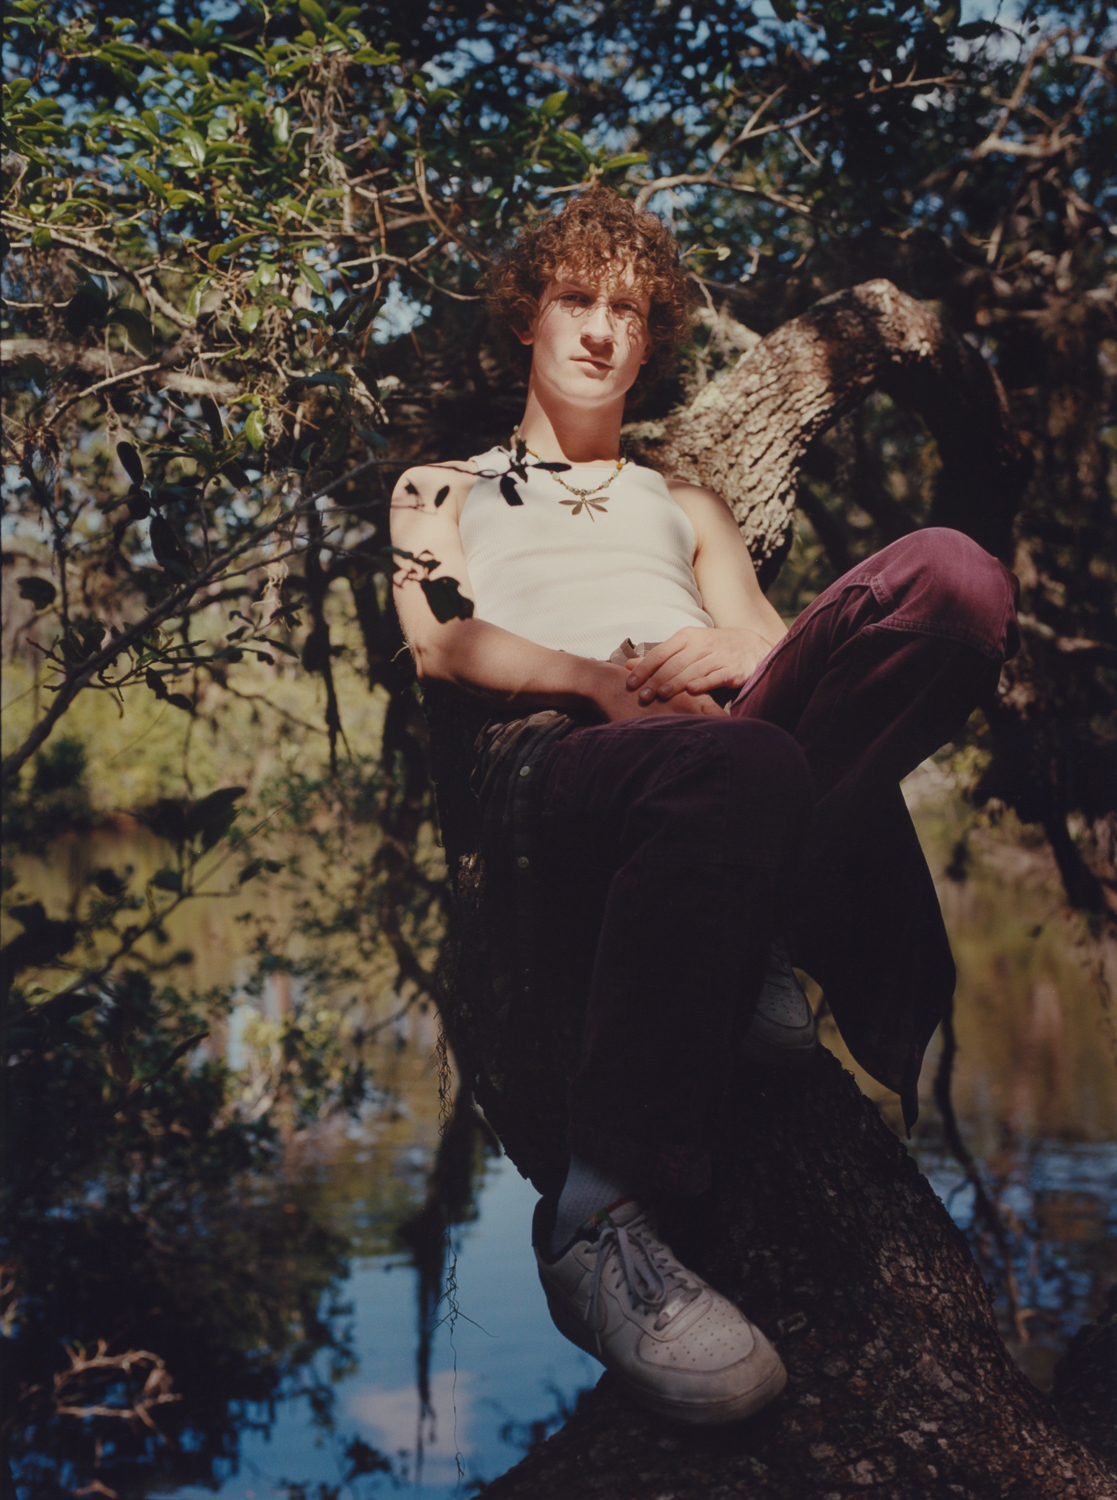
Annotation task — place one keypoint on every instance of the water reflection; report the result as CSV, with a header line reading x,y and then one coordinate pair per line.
x,y
351,1322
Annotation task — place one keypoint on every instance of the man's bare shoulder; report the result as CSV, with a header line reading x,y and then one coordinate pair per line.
x,y
441,486
705,507
686,492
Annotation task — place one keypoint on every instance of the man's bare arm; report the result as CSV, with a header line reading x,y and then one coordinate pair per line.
x,y
746,626
501,668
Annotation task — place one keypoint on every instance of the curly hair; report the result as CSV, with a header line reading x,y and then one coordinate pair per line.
x,y
587,237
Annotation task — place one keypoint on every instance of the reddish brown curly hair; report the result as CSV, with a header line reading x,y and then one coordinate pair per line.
x,y
589,234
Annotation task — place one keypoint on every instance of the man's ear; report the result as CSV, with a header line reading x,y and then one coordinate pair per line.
x,y
525,336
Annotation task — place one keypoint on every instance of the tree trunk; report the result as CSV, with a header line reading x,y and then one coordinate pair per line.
x,y
823,1230
818,1222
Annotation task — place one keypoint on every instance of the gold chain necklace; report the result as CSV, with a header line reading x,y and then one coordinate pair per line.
x,y
585,498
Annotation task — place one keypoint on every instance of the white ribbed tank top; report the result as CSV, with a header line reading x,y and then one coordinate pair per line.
x,y
580,578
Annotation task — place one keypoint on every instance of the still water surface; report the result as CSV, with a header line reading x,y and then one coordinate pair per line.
x,y
497,1370
1034,1092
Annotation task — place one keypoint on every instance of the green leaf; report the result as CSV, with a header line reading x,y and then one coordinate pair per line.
x,y
41,592
194,302
250,871
108,882
575,144
136,326
168,550
211,414
32,368
234,472
195,147
41,941
230,247
156,684
254,429
63,1008
200,449
784,9
628,159
167,820
326,377
149,179
213,816
949,15
133,465
41,237
312,278
553,103
180,1051
88,307
250,317
315,15
167,879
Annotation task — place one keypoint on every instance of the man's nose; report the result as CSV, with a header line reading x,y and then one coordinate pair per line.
x,y
599,322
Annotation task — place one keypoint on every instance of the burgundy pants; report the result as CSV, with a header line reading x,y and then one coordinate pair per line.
x,y
679,845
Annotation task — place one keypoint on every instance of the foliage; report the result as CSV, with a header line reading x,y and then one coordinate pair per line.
x,y
243,251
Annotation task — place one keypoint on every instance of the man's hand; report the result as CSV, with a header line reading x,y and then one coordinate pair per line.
x,y
694,661
614,700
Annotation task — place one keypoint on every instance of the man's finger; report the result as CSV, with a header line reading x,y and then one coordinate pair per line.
x,y
641,668
705,682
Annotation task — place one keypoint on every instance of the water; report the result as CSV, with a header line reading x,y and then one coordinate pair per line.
x,y
498,1370
1033,1089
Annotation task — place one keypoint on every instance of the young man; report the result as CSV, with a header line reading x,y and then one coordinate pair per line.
x,y
708,834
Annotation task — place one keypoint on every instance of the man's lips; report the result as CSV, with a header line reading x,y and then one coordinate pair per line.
x,y
597,364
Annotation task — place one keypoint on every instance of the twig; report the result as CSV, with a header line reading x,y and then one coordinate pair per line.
x,y
275,707
170,607
709,179
91,390
984,1207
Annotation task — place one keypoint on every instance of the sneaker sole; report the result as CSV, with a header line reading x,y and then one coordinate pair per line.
x,y
696,1413
779,1054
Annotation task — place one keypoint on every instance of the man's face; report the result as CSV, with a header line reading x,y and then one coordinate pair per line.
x,y
590,335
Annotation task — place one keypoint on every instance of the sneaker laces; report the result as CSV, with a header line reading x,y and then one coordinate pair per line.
x,y
646,1271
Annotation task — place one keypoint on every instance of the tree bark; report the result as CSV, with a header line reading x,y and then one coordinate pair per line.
x,y
746,435
818,1223
823,1230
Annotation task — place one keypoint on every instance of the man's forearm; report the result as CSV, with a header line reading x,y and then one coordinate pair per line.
x,y
510,672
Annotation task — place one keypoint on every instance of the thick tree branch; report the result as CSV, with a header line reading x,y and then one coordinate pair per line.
x,y
746,435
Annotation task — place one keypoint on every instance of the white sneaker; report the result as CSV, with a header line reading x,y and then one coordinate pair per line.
x,y
678,1346
782,1030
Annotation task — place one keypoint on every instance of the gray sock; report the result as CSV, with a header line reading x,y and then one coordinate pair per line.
x,y
587,1190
